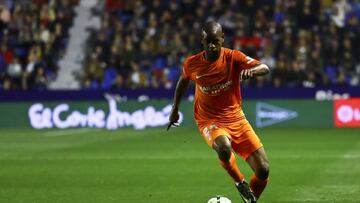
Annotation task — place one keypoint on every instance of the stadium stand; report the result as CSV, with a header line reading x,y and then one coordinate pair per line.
x,y
307,43
142,43
33,41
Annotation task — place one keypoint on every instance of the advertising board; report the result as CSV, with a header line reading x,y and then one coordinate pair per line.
x,y
347,113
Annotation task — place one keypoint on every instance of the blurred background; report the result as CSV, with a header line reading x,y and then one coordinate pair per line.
x,y
115,44
86,88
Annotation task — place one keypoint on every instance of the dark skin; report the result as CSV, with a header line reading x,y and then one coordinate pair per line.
x,y
212,40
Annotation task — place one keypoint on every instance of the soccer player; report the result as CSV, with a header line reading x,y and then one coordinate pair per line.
x,y
217,73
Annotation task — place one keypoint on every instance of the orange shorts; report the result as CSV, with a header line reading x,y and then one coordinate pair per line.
x,y
244,140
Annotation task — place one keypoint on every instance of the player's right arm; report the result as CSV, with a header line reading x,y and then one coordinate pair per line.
x,y
180,90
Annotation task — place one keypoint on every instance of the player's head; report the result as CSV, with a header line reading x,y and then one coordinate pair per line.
x,y
212,39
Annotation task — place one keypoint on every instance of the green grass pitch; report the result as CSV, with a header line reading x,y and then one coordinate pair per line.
x,y
89,165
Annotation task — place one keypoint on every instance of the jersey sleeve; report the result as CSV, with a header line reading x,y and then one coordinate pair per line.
x,y
244,61
186,72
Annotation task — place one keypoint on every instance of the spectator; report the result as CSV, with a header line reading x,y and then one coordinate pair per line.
x,y
118,82
137,77
14,71
40,79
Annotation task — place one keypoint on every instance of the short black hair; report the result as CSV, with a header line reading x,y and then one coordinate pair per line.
x,y
212,27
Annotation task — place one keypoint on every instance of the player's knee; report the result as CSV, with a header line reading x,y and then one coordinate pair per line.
x,y
223,148
263,171
224,152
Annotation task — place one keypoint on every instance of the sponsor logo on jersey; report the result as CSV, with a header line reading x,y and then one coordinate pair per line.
x,y
216,89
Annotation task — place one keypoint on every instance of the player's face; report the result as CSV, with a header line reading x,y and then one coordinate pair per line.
x,y
212,44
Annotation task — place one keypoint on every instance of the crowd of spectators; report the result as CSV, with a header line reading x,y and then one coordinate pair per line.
x,y
307,43
142,43
33,37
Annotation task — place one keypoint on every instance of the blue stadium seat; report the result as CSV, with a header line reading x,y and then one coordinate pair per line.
x,y
109,77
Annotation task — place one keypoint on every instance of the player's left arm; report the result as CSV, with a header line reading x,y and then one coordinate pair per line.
x,y
257,70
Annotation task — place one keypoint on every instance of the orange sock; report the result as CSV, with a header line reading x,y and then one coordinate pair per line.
x,y
257,185
232,169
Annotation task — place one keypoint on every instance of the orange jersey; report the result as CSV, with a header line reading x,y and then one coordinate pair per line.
x,y
217,93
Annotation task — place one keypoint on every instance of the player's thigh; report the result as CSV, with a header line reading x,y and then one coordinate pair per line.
x,y
211,132
245,141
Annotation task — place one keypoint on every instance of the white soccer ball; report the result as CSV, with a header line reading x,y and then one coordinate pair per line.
x,y
219,199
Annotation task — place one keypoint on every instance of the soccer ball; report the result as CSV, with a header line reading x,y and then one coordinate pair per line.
x,y
219,199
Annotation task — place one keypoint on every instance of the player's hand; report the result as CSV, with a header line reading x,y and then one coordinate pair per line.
x,y
246,74
173,118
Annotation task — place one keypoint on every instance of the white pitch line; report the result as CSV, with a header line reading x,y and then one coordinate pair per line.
x,y
69,132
